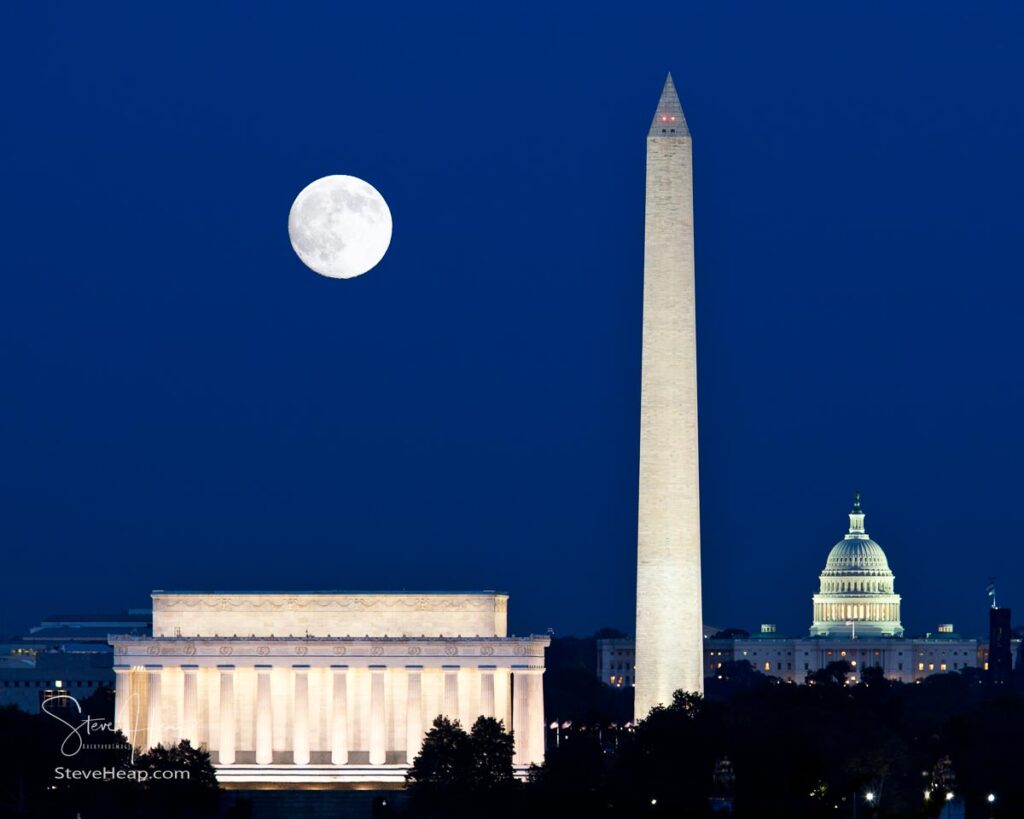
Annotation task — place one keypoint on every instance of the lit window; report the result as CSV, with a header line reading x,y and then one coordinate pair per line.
x,y
931,666
920,666
767,666
58,683
854,663
942,666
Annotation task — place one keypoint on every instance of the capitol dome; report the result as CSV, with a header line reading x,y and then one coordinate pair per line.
x,y
857,587
855,554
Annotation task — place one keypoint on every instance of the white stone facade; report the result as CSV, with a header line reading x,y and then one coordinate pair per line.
x,y
792,659
319,707
668,606
857,595
209,614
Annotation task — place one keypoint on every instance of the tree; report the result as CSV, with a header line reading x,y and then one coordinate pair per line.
x,y
573,778
491,748
834,673
874,675
730,633
180,780
456,773
445,758
609,633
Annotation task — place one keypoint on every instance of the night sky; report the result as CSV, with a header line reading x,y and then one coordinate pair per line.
x,y
185,406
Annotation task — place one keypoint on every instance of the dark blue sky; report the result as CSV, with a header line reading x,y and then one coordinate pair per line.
x,y
184,405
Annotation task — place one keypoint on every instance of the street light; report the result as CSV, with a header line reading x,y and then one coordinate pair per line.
x,y
990,798
869,797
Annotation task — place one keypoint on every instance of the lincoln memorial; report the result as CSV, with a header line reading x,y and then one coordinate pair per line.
x,y
325,687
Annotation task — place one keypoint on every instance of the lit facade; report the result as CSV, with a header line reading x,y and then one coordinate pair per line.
x,y
857,595
325,687
668,600
792,659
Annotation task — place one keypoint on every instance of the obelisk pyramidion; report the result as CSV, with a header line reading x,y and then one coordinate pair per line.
x,y
669,638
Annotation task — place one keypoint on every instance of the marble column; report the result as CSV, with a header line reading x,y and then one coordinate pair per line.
x,y
122,700
154,710
535,711
487,690
339,715
378,753
413,712
300,720
528,716
451,691
264,717
520,722
226,739
190,705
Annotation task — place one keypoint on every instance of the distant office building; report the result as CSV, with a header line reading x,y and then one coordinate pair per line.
x,y
64,654
64,629
616,659
1000,657
53,673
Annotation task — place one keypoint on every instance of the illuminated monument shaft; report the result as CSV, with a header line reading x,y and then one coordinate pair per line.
x,y
669,639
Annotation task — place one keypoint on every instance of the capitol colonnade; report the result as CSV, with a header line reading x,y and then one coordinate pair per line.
x,y
324,708
856,610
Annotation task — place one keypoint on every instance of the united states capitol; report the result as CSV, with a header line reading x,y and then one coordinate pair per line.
x,y
855,618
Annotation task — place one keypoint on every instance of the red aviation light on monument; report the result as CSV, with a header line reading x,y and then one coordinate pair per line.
x,y
669,120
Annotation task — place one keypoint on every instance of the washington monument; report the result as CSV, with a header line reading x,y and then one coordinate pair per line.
x,y
669,639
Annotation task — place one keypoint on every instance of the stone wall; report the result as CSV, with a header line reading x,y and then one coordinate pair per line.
x,y
336,614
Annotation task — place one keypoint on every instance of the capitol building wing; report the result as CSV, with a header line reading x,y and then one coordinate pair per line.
x,y
325,687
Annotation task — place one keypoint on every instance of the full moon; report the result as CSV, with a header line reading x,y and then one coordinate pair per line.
x,y
340,226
